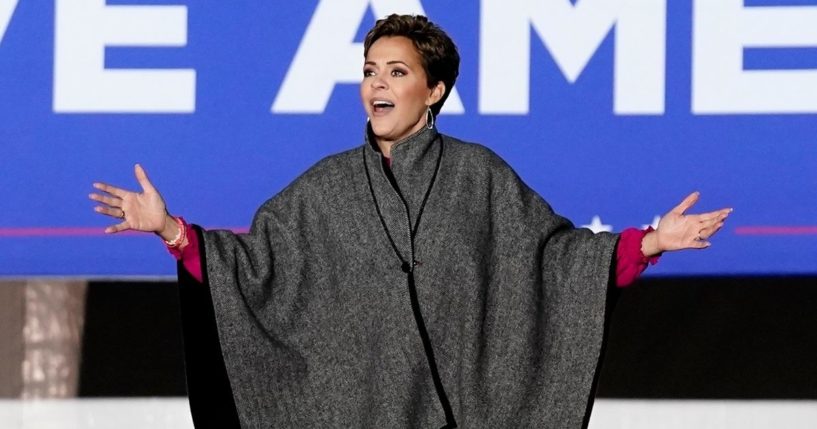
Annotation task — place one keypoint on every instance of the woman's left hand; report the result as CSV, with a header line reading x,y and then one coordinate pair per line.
x,y
678,230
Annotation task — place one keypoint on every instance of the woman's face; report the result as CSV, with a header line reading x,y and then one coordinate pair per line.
x,y
394,90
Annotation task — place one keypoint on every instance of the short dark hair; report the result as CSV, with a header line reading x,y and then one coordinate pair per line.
x,y
439,55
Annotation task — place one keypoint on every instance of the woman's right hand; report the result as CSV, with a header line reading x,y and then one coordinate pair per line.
x,y
145,211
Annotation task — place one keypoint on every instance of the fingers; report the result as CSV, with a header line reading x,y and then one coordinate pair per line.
x,y
112,204
710,230
110,211
113,190
709,225
715,219
700,244
113,229
104,199
691,231
688,202
717,214
142,178
709,219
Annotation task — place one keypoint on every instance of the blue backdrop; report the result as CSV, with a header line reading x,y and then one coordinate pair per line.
x,y
225,151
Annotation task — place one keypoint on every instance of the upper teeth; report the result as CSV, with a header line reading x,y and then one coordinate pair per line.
x,y
381,103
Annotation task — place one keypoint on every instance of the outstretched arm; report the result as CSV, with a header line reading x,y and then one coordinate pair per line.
x,y
676,230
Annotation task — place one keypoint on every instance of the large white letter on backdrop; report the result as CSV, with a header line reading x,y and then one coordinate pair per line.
x,y
722,29
572,34
84,28
329,38
6,11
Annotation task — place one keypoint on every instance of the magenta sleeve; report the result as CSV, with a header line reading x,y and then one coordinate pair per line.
x,y
189,254
630,262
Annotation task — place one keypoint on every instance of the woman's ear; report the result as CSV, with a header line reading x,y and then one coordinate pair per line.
x,y
436,94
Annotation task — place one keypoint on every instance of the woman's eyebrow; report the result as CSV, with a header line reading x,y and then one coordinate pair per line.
x,y
388,63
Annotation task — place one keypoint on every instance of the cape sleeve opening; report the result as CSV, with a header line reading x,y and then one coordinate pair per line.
x,y
208,387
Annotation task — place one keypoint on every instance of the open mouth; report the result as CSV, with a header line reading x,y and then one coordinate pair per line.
x,y
382,106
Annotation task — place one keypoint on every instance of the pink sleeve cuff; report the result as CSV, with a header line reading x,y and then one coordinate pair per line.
x,y
630,262
189,253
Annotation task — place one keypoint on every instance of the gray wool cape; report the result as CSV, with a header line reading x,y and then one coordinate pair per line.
x,y
440,292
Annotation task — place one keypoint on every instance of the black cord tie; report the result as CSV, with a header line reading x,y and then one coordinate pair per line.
x,y
408,268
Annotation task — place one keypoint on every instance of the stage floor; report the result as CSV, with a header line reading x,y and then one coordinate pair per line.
x,y
173,413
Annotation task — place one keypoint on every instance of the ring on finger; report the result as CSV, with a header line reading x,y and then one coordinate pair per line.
x,y
123,214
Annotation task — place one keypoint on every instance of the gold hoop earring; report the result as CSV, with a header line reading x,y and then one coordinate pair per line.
x,y
429,118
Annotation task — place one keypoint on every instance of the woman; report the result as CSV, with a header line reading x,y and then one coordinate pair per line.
x,y
414,281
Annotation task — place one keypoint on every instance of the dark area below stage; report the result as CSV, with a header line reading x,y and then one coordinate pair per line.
x,y
671,338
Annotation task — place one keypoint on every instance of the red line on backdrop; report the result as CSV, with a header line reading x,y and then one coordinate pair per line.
x,y
776,230
73,232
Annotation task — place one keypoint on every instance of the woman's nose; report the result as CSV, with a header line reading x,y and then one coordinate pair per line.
x,y
379,82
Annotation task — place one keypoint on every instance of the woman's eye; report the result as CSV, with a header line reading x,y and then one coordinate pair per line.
x,y
398,73
368,73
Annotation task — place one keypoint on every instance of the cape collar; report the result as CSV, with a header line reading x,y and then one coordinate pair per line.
x,y
416,153
399,191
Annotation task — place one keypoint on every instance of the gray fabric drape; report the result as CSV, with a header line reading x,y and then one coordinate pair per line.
x,y
321,326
